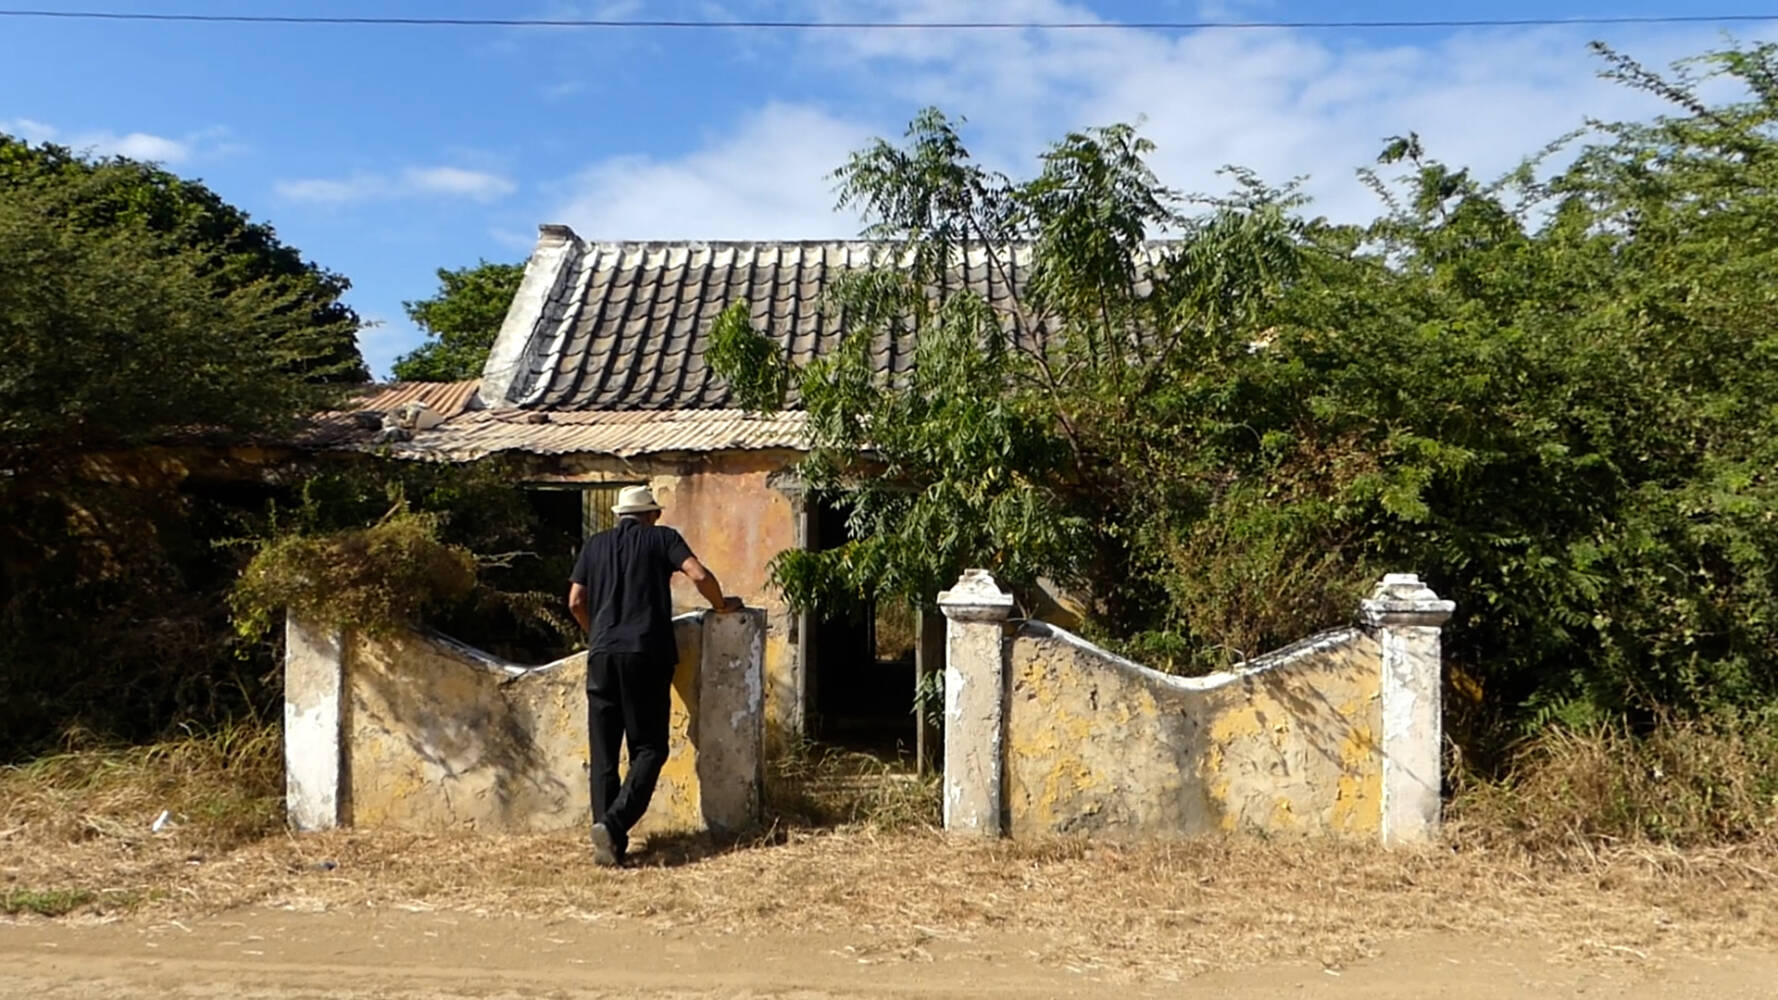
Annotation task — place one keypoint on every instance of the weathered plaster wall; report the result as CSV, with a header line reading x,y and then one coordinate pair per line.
x,y
437,739
736,522
435,735
312,702
1097,744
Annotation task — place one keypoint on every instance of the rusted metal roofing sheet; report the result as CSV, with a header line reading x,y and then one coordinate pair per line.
x,y
446,398
356,419
480,433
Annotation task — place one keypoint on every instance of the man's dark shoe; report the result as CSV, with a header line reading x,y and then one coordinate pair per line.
x,y
605,849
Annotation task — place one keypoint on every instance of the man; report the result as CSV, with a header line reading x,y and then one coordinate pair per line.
x,y
621,596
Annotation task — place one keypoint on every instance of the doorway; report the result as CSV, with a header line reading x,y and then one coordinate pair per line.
x,y
860,661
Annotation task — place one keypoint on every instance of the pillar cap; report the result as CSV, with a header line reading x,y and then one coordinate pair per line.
x,y
1402,599
976,598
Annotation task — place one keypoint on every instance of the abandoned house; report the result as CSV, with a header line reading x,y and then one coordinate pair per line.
x,y
598,380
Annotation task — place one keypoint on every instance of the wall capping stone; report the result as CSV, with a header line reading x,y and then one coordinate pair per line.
x,y
1206,682
976,597
1401,599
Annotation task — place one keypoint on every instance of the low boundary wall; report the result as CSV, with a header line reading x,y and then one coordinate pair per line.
x,y
420,732
1338,734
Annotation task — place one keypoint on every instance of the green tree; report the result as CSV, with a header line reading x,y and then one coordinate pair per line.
x,y
460,321
1004,445
318,335
1550,394
136,311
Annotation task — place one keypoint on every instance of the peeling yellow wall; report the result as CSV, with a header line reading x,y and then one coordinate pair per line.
x,y
1095,744
436,738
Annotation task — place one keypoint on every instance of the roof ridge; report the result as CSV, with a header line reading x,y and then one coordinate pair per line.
x,y
854,241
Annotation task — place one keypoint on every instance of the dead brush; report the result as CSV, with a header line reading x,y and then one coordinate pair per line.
x,y
222,788
1685,784
812,784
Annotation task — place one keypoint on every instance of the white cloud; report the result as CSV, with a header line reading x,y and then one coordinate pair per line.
x,y
28,130
1285,103
447,182
329,192
135,145
474,184
765,179
562,89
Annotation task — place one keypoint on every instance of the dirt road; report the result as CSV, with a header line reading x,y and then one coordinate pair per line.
x,y
393,954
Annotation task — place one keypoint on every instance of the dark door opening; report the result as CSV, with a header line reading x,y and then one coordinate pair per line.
x,y
861,662
522,615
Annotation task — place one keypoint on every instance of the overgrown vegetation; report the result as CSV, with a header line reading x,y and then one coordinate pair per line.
x,y
388,544
137,310
220,788
809,784
373,579
186,628
1550,395
1683,783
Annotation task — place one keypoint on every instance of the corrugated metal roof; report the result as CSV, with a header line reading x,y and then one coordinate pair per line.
x,y
356,419
480,433
446,398
626,326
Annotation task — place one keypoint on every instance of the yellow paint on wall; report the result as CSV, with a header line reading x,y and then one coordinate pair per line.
x,y
437,742
1097,747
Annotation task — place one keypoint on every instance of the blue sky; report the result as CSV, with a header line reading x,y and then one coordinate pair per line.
x,y
385,153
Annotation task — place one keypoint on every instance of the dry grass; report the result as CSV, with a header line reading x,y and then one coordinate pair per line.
x,y
73,832
814,785
1697,783
223,788
1143,911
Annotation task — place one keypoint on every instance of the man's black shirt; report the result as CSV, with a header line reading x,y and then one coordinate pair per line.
x,y
628,573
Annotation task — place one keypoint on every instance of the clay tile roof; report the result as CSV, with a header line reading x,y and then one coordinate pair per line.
x,y
627,325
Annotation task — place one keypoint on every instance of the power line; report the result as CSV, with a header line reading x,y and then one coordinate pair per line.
x,y
513,22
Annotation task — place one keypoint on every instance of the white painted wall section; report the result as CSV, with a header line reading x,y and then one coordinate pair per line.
x,y
313,673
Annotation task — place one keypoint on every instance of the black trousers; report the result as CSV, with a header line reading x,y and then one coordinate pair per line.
x,y
628,699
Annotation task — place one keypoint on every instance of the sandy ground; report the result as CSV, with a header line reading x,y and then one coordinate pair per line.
x,y
263,953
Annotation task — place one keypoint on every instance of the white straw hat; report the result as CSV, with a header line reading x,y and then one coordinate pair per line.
x,y
635,500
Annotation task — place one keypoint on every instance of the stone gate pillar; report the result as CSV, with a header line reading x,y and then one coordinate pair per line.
x,y
1407,617
975,702
314,672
